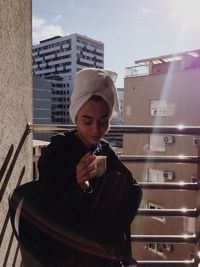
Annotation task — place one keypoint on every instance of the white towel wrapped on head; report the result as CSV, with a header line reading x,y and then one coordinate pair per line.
x,y
91,81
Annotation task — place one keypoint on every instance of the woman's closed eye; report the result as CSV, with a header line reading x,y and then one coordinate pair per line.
x,y
87,121
102,121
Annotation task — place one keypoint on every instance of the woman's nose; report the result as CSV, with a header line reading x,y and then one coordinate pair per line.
x,y
95,127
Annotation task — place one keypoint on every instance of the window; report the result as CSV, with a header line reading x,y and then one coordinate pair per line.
x,y
151,205
158,108
159,248
155,247
155,175
156,143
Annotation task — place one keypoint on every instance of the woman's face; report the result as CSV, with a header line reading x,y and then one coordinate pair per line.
x,y
92,121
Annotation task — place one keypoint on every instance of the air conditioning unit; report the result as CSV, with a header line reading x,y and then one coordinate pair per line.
x,y
196,141
167,247
169,175
194,179
169,139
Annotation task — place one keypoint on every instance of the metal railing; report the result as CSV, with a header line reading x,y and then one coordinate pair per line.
x,y
195,213
137,70
12,156
128,129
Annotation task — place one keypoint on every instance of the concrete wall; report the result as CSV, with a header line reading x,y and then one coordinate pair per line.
x,y
179,89
15,112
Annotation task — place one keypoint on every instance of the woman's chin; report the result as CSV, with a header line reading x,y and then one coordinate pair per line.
x,y
94,141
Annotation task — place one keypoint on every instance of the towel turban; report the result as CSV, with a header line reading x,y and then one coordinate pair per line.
x,y
92,81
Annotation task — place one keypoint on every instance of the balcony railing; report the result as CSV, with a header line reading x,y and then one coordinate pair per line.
x,y
175,130
194,212
137,70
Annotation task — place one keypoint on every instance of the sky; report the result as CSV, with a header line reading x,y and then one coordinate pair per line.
x,y
131,30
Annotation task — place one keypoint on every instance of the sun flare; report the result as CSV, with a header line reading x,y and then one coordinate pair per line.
x,y
187,11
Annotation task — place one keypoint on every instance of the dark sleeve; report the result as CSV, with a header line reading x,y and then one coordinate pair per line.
x,y
55,161
115,163
57,179
128,183
131,194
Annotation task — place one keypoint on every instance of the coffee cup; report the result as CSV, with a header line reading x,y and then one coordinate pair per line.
x,y
100,164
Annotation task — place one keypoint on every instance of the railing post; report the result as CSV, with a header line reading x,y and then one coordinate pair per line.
x,y
197,226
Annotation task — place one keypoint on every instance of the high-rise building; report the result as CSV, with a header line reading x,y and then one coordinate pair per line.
x,y
164,91
41,105
41,101
58,59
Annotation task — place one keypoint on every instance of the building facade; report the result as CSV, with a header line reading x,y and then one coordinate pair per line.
x,y
120,92
58,59
164,91
41,101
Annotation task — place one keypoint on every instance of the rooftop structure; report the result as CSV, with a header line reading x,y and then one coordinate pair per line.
x,y
163,64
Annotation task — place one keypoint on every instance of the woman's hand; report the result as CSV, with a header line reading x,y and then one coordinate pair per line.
x,y
85,170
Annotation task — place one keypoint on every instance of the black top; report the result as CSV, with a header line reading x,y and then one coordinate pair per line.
x,y
61,225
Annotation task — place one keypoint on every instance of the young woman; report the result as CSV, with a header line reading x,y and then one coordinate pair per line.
x,y
83,218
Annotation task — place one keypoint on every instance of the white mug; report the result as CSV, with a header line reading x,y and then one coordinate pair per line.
x,y
100,164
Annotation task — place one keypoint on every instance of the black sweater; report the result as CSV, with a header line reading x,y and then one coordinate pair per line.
x,y
79,229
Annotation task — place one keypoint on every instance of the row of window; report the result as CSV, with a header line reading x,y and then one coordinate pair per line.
x,y
59,99
86,64
58,85
47,61
60,120
86,43
50,74
56,54
64,65
60,112
85,49
61,85
56,92
61,43
60,50
54,106
79,56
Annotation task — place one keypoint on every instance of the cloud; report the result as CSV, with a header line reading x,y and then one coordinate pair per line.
x,y
42,30
57,18
145,11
